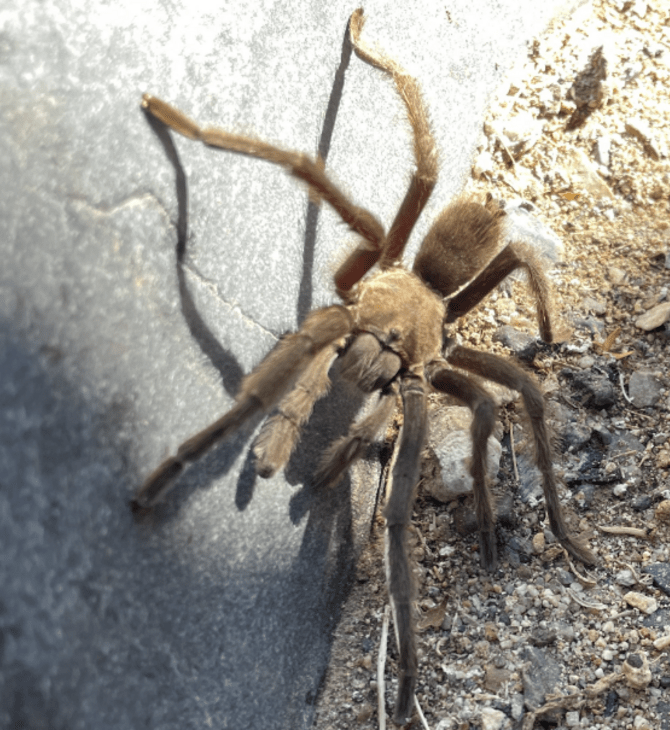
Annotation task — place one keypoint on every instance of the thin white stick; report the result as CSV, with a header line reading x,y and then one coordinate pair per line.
x,y
623,389
381,662
511,448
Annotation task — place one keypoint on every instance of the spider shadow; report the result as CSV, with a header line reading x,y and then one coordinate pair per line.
x,y
313,209
224,361
322,571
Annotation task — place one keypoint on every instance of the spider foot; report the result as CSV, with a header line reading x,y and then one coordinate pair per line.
x,y
487,550
404,705
578,550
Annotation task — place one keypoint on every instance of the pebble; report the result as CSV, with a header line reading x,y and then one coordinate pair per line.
x,y
640,129
636,671
492,719
572,718
625,578
662,513
654,318
646,604
644,389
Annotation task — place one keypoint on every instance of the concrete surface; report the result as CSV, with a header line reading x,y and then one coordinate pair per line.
x,y
140,279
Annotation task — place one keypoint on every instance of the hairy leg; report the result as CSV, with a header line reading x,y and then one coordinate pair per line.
x,y
468,391
281,432
347,449
261,390
425,155
398,513
513,256
501,371
300,165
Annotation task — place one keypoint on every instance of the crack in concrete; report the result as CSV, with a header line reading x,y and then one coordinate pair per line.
x,y
142,198
213,287
135,199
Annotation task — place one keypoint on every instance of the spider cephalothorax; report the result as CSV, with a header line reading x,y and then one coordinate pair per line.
x,y
389,334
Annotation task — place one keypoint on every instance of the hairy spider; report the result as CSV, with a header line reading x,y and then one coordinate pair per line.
x,y
391,335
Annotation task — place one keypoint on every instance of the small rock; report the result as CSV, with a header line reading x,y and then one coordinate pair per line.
x,y
520,343
625,578
595,306
598,389
496,678
538,543
615,275
586,177
451,444
575,435
565,577
662,643
543,636
644,389
492,719
365,713
654,318
661,575
602,151
641,723
521,132
572,718
636,671
642,503
523,225
640,129
646,604
517,706
662,512
483,164
541,675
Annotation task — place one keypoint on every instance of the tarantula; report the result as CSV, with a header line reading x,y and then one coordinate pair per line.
x,y
391,335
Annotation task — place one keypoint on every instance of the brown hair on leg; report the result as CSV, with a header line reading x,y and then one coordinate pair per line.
x,y
398,512
468,391
260,391
280,433
501,371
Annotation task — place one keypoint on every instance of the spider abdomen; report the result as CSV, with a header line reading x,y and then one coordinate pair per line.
x,y
463,239
403,313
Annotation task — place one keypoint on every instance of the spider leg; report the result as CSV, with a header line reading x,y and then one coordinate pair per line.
x,y
478,400
513,256
501,371
280,432
300,165
260,391
425,175
398,512
347,449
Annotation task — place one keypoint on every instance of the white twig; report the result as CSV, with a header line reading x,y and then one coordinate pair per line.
x,y
511,448
381,662
623,389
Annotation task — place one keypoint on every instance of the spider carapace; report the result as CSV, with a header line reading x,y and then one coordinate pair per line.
x,y
389,332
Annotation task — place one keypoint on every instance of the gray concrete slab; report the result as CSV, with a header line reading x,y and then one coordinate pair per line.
x,y
141,278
